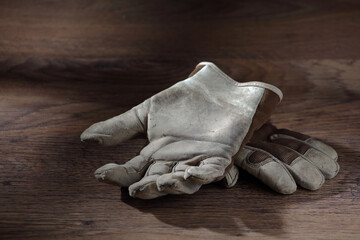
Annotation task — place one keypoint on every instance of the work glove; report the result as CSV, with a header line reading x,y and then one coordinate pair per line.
x,y
194,129
282,159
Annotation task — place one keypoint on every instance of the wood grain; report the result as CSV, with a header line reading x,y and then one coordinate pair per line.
x,y
67,64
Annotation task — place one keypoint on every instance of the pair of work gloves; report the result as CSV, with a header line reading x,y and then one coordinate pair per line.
x,y
201,129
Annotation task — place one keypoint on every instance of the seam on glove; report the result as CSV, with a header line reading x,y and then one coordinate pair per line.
x,y
256,165
274,158
318,148
307,159
284,136
139,122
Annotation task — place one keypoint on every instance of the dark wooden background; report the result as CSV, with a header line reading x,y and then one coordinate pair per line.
x,y
67,64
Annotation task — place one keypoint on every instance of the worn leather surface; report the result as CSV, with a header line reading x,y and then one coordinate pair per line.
x,y
194,129
283,159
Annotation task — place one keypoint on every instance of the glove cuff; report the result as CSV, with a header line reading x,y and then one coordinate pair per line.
x,y
251,83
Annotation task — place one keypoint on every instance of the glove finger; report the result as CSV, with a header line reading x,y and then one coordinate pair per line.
x,y
123,175
174,183
303,171
231,177
322,147
146,188
119,128
319,145
327,165
267,169
210,170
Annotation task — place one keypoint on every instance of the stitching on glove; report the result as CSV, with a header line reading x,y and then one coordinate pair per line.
x,y
256,165
316,147
140,123
273,157
284,136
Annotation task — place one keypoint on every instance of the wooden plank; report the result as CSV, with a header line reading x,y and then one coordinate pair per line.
x,y
65,65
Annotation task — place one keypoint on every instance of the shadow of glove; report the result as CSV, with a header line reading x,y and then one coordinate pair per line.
x,y
282,159
193,132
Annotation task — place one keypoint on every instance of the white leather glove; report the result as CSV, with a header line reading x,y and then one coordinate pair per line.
x,y
282,159
194,128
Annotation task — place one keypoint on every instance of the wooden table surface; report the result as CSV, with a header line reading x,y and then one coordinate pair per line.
x,y
67,64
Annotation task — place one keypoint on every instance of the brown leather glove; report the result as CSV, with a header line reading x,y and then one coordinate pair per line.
x,y
282,158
